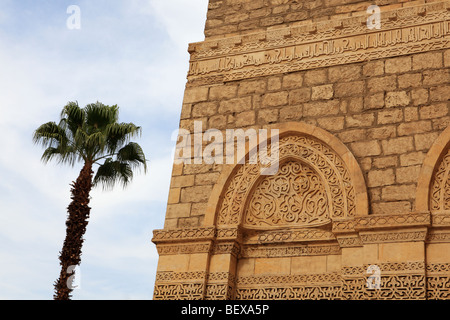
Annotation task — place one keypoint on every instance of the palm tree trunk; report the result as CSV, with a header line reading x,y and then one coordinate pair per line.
x,y
78,214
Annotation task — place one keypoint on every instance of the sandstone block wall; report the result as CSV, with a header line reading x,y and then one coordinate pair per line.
x,y
377,100
230,17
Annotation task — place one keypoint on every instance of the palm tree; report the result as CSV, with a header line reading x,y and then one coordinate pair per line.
x,y
89,135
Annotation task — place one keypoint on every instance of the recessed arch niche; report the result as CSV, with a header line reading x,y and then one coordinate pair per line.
x,y
318,180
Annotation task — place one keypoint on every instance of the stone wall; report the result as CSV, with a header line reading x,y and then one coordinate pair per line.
x,y
230,17
378,100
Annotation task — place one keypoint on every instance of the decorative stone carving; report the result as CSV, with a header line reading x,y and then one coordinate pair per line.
x,y
440,186
273,52
313,182
295,196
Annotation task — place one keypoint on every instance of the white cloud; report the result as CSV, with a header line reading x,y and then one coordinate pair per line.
x,y
142,70
183,20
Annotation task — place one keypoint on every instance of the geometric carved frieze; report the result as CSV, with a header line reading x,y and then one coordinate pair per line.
x,y
283,287
183,234
392,221
383,221
438,236
440,219
438,281
305,279
320,44
175,249
170,276
398,281
291,250
178,291
232,248
438,287
397,235
392,287
288,235
414,267
289,292
349,240
191,285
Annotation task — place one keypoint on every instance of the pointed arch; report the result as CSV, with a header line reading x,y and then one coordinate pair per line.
x,y
309,146
434,175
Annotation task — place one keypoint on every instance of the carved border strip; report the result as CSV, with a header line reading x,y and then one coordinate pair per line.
x,y
395,220
249,251
316,278
438,236
178,291
314,31
402,280
339,226
393,236
440,219
183,234
286,235
340,50
349,240
385,268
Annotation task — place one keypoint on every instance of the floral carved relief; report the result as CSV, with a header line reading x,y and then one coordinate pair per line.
x,y
296,195
311,188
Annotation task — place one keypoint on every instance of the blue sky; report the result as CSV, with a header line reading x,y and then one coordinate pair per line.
x,y
128,52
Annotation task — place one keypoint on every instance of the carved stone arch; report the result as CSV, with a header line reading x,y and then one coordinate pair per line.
x,y
433,187
324,154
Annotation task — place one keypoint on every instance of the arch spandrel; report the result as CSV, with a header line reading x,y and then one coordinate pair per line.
x,y
326,156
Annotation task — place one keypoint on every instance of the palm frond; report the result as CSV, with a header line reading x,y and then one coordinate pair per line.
x,y
66,155
132,154
73,117
112,172
50,134
118,134
98,116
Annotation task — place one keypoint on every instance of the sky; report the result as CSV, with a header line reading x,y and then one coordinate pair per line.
x,y
132,53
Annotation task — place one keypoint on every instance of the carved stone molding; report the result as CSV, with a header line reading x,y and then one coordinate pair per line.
x,y
320,44
440,219
232,248
173,249
401,235
288,235
272,251
438,236
417,267
393,221
349,240
183,235
398,281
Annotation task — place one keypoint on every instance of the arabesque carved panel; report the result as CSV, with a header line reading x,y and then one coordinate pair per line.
x,y
296,195
440,186
312,187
